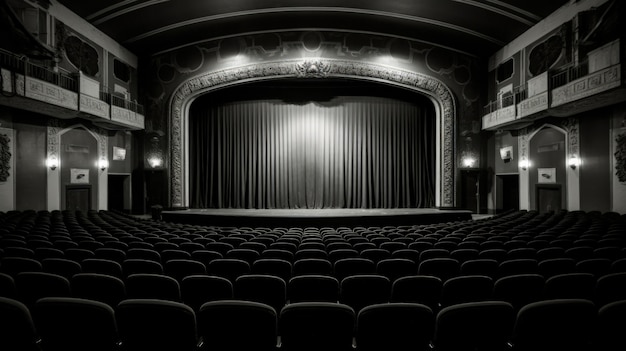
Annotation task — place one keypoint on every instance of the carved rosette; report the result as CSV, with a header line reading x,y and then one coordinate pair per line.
x,y
319,68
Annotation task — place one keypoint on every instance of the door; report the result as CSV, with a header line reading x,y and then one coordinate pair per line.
x,y
78,198
507,192
469,190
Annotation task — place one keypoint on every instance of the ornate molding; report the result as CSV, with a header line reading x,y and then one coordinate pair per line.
x,y
320,68
571,127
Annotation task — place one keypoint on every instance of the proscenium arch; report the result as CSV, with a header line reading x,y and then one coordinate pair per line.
x,y
433,88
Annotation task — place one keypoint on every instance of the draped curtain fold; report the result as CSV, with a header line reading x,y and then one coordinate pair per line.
x,y
351,152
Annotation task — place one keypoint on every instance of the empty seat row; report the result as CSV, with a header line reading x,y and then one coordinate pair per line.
x,y
357,291
72,324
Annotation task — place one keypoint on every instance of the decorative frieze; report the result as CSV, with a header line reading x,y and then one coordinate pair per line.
x,y
128,117
50,93
532,105
94,106
588,85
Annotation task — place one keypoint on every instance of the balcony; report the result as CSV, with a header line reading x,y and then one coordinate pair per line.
x,y
76,94
570,90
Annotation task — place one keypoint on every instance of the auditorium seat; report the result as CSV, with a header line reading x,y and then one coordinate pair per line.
x,y
610,288
562,324
205,256
314,266
143,254
98,287
7,286
198,289
352,266
474,326
19,251
314,326
267,289
610,327
78,254
110,254
570,286
442,268
408,254
41,253
152,286
61,266
376,254
434,253
31,286
135,265
156,325
17,327
228,268
618,266
484,266
519,290
394,326
247,255
338,254
358,291
555,266
102,266
276,267
493,254
174,254
464,255
164,245
469,288
251,245
180,268
518,266
394,268
73,324
313,288
420,289
596,266
310,253
14,265
238,325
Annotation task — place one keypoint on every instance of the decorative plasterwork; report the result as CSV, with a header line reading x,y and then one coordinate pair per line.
x,y
571,127
56,128
319,68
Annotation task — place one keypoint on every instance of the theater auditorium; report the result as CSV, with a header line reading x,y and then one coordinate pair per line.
x,y
357,175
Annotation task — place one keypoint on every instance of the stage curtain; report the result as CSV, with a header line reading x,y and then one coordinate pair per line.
x,y
351,152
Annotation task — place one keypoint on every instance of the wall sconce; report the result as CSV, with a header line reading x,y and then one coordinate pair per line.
x,y
573,162
524,164
52,162
468,162
103,164
155,162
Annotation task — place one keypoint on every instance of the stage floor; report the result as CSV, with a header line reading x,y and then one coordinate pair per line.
x,y
314,217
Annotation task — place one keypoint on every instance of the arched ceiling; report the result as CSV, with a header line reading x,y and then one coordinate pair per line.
x,y
476,27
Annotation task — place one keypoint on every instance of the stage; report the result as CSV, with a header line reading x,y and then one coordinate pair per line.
x,y
314,217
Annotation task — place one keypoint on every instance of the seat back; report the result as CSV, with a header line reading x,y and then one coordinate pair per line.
x,y
73,324
314,326
358,291
238,325
17,330
98,287
149,324
394,326
266,289
313,288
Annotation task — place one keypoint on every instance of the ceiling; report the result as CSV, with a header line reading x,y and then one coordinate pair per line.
x,y
477,27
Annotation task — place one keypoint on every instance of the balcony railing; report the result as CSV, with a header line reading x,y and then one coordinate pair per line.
x,y
127,104
561,77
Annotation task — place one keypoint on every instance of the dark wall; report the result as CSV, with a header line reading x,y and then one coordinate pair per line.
x,y
30,169
595,175
30,155
505,139
122,140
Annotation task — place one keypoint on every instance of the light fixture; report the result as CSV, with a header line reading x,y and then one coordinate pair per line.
x,y
573,162
469,162
155,162
52,162
524,164
103,164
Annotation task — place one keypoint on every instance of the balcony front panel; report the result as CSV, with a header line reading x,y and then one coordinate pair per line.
x,y
588,85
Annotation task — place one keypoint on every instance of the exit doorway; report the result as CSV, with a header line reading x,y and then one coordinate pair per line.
x,y
507,192
119,192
